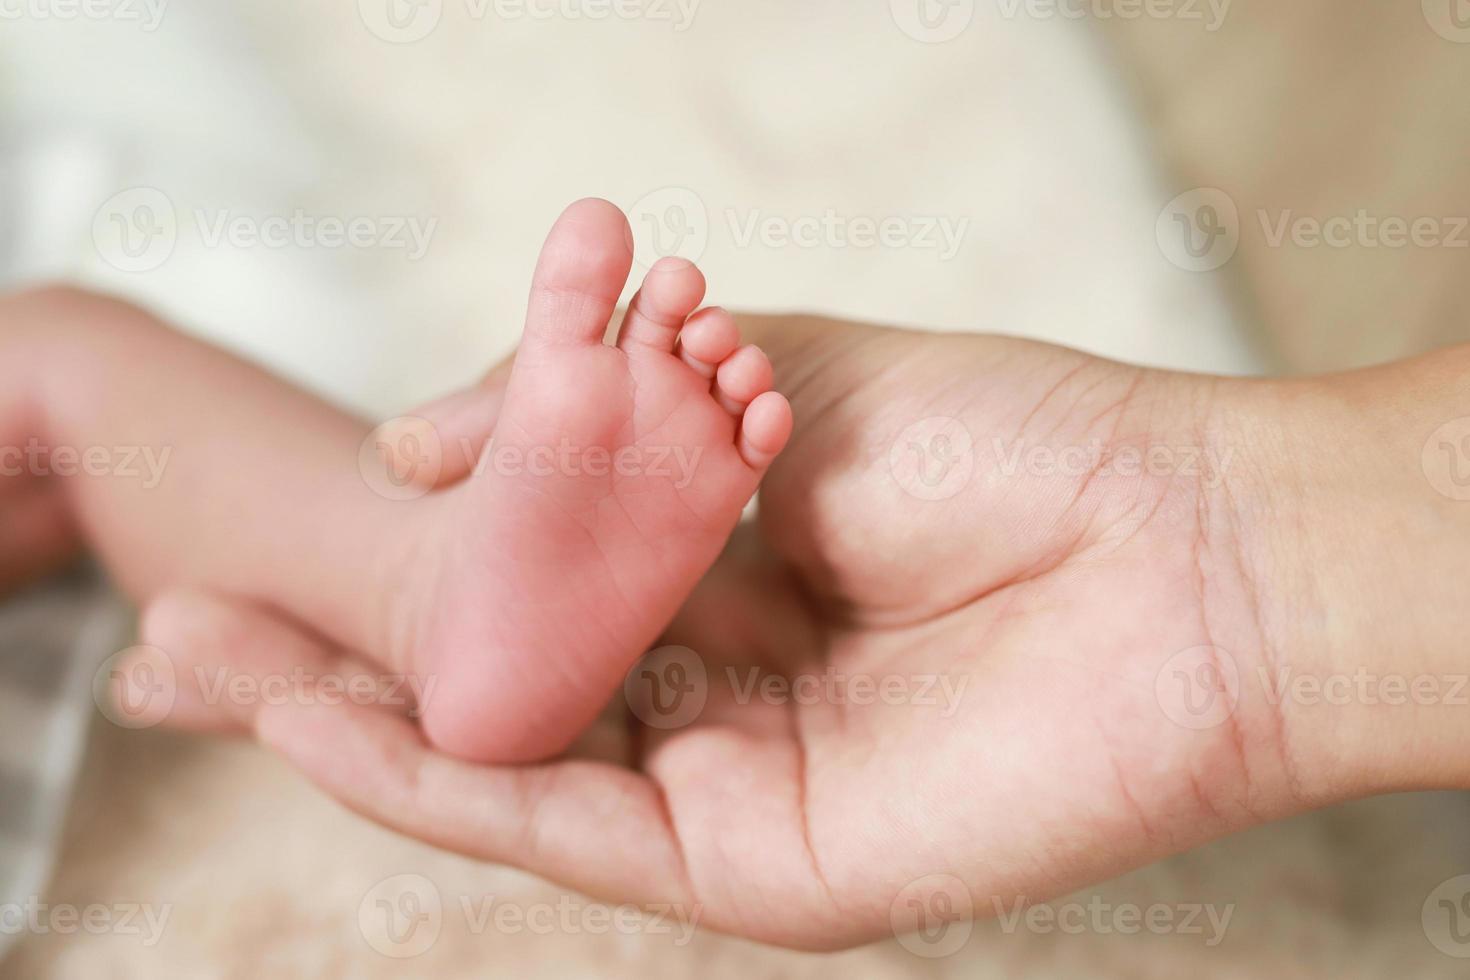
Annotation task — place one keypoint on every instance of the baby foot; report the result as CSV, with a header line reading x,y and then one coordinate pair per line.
x,y
615,476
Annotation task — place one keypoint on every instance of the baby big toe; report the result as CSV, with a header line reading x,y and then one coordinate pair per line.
x,y
580,275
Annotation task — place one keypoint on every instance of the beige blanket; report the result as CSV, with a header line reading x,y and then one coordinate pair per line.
x,y
1015,129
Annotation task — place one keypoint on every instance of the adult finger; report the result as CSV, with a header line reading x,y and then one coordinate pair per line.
x,y
599,828
230,658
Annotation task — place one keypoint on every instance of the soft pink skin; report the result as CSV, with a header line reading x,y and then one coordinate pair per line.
x,y
547,589
709,337
1059,598
524,597
261,494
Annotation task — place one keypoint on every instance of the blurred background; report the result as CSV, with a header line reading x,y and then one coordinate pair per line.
x,y
353,192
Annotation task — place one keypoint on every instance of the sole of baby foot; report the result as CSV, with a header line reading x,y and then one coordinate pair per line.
x,y
615,476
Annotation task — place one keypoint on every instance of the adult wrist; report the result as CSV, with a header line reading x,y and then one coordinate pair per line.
x,y
1352,511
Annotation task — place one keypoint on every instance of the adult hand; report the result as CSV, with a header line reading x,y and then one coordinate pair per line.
x,y
1013,619
37,536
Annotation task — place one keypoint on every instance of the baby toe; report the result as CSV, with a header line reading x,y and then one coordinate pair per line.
x,y
670,292
708,338
765,429
741,377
